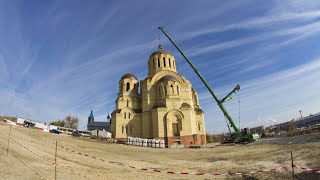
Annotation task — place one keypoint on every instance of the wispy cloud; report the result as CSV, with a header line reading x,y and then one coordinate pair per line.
x,y
240,42
3,69
278,95
60,58
258,22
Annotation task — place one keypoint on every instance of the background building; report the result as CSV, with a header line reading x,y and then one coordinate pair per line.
x,y
92,125
167,106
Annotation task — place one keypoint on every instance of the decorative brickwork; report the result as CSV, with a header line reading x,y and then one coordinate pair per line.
x,y
167,106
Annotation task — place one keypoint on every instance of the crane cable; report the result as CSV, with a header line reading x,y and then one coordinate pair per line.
x,y
238,107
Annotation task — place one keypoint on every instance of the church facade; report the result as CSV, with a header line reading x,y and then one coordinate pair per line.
x,y
166,108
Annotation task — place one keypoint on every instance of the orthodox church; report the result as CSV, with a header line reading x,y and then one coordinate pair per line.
x,y
94,125
165,108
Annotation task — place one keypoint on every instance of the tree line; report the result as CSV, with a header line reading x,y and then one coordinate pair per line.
x,y
67,122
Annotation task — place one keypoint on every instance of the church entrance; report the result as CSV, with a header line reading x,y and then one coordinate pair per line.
x,y
175,129
173,123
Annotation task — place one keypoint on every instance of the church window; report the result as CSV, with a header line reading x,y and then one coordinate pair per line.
x,y
178,90
195,99
127,102
154,64
199,127
158,62
164,62
122,129
169,62
125,115
165,90
172,89
129,115
128,86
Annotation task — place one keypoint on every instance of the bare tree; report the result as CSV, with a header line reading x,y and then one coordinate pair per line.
x,y
71,122
68,122
60,123
291,126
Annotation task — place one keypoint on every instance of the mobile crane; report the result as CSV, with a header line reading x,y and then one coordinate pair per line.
x,y
238,136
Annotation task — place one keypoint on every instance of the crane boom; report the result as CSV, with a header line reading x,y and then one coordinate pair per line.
x,y
220,103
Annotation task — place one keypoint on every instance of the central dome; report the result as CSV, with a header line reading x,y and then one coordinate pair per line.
x,y
161,60
160,51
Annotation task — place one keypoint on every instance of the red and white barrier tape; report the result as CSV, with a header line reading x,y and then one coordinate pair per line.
x,y
304,169
184,173
26,148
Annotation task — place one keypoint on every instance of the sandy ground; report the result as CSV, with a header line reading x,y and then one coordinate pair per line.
x,y
35,162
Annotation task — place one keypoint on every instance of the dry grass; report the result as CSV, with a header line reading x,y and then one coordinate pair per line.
x,y
221,159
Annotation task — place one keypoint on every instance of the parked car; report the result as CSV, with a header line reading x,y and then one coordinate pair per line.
x,y
55,131
76,134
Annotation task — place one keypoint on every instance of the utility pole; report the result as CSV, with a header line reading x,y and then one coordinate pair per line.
x,y
9,140
55,162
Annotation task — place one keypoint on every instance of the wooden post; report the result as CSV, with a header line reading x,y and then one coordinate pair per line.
x,y
55,162
292,166
9,140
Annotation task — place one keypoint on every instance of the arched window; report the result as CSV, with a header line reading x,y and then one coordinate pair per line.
x,y
158,62
169,62
125,115
122,129
127,102
178,90
128,86
129,115
164,62
199,126
195,99
165,90
172,89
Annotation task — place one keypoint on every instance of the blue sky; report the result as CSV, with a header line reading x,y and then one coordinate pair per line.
x,y
66,57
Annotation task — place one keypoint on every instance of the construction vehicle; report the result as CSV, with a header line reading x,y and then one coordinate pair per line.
x,y
237,136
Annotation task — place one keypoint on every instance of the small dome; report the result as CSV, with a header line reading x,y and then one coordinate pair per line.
x,y
160,51
168,78
129,75
91,115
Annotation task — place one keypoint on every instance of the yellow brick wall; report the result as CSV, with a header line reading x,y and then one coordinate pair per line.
x,y
150,122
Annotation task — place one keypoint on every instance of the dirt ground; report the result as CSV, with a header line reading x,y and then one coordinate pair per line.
x,y
32,158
